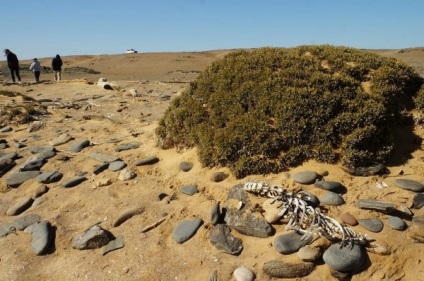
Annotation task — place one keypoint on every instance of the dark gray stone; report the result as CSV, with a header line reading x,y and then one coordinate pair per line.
x,y
312,200
79,146
289,243
328,185
186,229
93,238
418,201
375,205
248,223
189,189
218,176
396,223
332,199
74,181
40,149
345,259
305,177
49,177
216,215
237,193
18,178
33,165
46,155
12,156
101,157
280,269
186,166
147,161
6,165
42,237
100,168
127,146
117,165
409,185
113,245
373,224
220,236
25,221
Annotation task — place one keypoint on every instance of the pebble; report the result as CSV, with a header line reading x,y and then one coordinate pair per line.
x,y
184,230
74,181
42,237
332,199
100,168
305,177
104,158
219,176
126,215
117,166
216,214
49,177
79,146
220,236
126,174
185,166
40,149
373,224
61,139
189,189
147,161
243,274
113,245
418,201
93,238
349,219
281,269
33,165
20,206
313,200
17,178
396,223
409,185
375,205
309,253
328,185
46,155
289,243
345,259
127,146
6,129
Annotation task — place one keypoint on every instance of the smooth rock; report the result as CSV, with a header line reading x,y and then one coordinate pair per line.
x,y
101,157
189,189
42,237
345,259
243,274
375,205
311,199
186,166
127,146
220,236
6,165
305,177
61,139
100,168
17,178
147,161
49,177
113,245
349,219
248,223
117,166
11,156
328,185
331,199
280,269
127,214
46,155
309,253
40,149
219,176
23,222
418,201
79,146
74,181
396,223
184,230
373,224
20,206
126,174
216,215
409,185
33,165
93,238
6,129
290,242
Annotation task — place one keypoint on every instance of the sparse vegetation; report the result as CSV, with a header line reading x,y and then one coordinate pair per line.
x,y
269,109
18,112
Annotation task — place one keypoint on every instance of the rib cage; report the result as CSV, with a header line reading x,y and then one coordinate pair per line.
x,y
303,217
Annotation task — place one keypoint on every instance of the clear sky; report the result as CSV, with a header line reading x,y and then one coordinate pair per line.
x,y
44,28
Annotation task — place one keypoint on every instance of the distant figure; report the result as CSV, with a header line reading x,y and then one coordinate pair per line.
x,y
13,64
35,67
57,68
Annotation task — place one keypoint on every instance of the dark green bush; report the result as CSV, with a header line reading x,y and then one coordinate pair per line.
x,y
269,109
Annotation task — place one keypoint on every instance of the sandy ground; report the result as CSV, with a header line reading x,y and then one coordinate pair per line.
x,y
111,117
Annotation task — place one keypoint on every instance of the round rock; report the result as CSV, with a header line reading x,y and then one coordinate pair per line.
x,y
186,166
186,229
189,189
243,274
332,199
42,237
344,259
280,269
309,253
396,223
328,185
373,224
290,242
409,185
117,166
418,201
349,219
305,177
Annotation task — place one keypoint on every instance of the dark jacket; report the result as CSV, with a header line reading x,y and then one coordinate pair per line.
x,y
12,61
57,63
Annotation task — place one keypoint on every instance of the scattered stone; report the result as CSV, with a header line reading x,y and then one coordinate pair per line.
x,y
49,177
93,238
243,274
117,166
305,177
127,146
373,224
42,237
113,245
189,189
126,215
349,219
375,205
396,223
6,165
418,201
11,156
126,174
220,236
186,166
309,253
79,146
345,259
40,149
184,230
248,223
20,206
147,161
74,181
280,269
40,190
216,215
103,157
409,185
6,129
17,178
290,242
25,221
100,168
328,185
219,176
3,145
46,155
33,165
312,200
332,199
61,139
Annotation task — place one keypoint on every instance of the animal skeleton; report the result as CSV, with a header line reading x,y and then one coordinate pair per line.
x,y
303,217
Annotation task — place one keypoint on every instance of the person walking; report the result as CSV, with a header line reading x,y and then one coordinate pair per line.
x,y
13,64
57,68
35,67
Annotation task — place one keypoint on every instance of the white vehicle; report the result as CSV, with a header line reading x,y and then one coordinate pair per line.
x,y
131,51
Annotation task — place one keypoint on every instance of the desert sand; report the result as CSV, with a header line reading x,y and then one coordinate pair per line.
x,y
107,118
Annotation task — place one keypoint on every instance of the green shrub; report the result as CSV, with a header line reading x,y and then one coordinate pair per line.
x,y
269,109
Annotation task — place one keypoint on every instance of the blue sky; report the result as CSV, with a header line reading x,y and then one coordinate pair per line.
x,y
43,28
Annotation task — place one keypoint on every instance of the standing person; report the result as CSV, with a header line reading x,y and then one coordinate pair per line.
x,y
35,67
13,64
57,68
